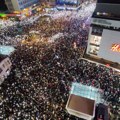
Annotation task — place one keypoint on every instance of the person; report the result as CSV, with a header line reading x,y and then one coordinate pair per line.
x,y
42,72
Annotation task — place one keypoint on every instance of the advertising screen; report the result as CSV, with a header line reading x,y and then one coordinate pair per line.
x,y
110,46
67,2
106,46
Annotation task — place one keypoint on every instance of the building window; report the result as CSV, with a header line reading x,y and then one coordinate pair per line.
x,y
3,65
8,61
1,70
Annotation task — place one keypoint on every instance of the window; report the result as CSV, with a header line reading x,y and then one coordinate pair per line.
x,y
8,61
3,65
1,70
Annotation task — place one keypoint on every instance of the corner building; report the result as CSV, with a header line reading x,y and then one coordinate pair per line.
x,y
104,35
17,5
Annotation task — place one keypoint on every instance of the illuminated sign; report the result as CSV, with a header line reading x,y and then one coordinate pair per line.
x,y
116,47
2,15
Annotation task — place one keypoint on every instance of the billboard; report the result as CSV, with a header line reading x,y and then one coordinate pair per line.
x,y
110,46
67,2
106,46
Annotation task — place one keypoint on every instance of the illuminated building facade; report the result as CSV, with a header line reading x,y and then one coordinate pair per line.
x,y
17,5
104,34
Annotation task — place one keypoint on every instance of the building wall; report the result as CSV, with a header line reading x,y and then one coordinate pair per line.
x,y
104,33
108,8
16,5
9,5
5,67
26,3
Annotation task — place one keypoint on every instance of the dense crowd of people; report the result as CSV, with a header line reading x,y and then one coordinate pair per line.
x,y
18,31
42,72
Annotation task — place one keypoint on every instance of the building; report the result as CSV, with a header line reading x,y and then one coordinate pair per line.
x,y
17,5
5,62
104,34
5,67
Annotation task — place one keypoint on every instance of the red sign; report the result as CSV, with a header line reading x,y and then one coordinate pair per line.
x,y
116,47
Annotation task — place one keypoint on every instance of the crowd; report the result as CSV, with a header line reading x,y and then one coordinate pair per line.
x,y
42,72
6,23
18,30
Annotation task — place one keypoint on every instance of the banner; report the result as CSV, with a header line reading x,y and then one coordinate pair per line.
x,y
67,2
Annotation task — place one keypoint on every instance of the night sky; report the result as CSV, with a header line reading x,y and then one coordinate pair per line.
x,y
2,5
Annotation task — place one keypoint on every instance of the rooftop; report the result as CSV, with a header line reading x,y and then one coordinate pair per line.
x,y
6,50
87,92
81,104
